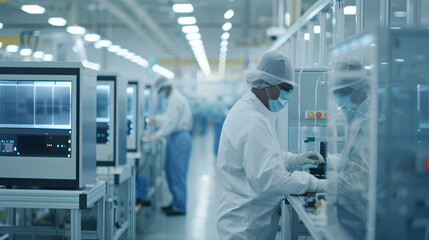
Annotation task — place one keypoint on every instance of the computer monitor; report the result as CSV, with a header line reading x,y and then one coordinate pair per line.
x,y
111,120
44,135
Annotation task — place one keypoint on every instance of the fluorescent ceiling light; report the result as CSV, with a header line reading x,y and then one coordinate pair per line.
x,y
228,14
104,43
114,48
92,65
227,26
395,28
316,29
186,20
225,36
163,71
1,44
400,60
92,37
12,48
25,52
183,8
33,9
143,62
38,54
48,57
75,29
190,29
350,10
400,14
57,21
195,42
224,43
122,52
129,55
306,36
1,25
193,36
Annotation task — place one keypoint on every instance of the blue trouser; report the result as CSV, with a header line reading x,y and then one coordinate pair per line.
x,y
178,153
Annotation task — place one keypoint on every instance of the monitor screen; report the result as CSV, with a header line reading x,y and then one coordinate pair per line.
x,y
35,118
103,113
130,110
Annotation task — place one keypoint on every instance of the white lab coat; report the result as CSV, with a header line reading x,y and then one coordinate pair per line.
x,y
253,172
177,116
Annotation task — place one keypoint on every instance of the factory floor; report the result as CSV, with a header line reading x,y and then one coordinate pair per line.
x,y
204,191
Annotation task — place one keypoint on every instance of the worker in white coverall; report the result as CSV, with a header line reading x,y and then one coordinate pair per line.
x,y
254,171
175,124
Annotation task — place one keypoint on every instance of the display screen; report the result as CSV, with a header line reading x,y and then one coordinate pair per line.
x,y
130,110
35,118
103,113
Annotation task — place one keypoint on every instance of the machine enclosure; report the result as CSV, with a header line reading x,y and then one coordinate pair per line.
x,y
119,144
83,119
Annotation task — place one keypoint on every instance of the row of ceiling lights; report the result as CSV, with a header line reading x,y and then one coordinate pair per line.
x,y
193,36
89,37
224,43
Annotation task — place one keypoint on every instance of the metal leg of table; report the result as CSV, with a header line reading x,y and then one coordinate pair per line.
x,y
101,222
133,204
75,224
11,219
294,225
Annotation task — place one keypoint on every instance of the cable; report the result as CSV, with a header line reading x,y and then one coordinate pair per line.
x,y
299,110
315,100
53,222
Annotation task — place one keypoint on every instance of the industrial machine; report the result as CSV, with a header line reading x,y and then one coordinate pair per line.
x,y
47,128
304,123
111,120
132,113
380,185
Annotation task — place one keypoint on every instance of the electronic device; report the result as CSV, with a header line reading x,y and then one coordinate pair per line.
x,y
132,113
111,120
47,124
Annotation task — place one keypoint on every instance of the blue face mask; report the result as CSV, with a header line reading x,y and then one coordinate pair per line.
x,y
345,102
281,102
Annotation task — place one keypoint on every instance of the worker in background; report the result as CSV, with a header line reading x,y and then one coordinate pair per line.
x,y
218,112
348,187
254,171
175,124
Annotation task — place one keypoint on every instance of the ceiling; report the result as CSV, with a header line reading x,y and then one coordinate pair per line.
x,y
248,39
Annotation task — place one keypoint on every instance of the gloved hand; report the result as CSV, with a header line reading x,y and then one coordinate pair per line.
x,y
317,185
156,137
309,158
155,121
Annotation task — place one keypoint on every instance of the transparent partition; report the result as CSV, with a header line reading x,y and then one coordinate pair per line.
x,y
379,179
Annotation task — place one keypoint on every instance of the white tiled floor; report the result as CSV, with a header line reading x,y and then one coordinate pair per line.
x,y
204,192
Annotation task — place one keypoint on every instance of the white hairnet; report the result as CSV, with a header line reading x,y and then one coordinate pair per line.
x,y
351,74
161,82
272,69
